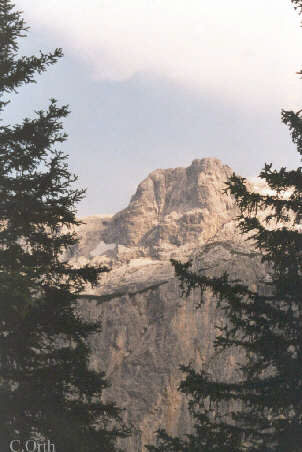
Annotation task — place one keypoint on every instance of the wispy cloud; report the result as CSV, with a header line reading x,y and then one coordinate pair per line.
x,y
243,51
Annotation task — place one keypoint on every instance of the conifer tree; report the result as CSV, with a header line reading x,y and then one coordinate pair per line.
x,y
48,392
264,411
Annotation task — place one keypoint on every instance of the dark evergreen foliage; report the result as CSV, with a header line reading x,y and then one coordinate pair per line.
x,y
265,404
47,390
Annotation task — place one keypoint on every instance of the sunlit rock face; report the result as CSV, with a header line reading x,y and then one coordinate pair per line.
x,y
148,329
174,208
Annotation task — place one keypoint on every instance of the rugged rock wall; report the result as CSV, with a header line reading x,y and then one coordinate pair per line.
x,y
148,328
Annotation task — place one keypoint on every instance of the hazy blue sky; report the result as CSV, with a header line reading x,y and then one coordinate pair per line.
x,y
157,83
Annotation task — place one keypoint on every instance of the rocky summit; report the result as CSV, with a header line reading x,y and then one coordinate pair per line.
x,y
148,328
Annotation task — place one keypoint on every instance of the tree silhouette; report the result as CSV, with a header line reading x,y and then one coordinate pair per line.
x,y
264,404
47,389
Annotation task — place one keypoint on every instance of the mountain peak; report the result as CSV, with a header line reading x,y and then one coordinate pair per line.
x,y
174,207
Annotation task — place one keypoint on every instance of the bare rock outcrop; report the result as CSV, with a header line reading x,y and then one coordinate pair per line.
x,y
174,208
148,329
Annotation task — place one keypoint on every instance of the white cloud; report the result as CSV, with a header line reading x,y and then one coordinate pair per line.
x,y
246,51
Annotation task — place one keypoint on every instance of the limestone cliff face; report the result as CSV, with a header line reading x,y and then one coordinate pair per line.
x,y
174,207
148,329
